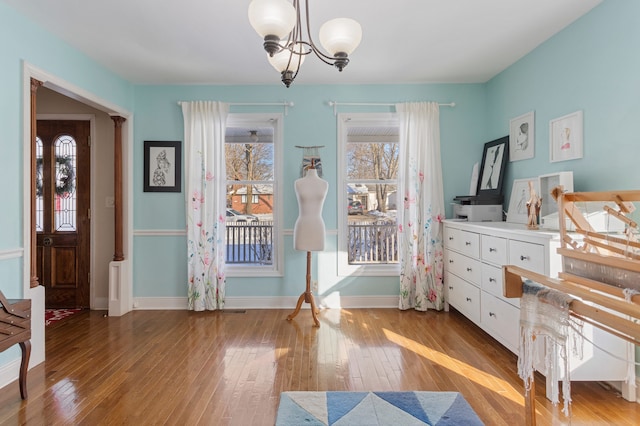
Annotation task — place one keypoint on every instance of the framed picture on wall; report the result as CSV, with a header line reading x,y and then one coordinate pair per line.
x,y
492,167
522,137
518,211
565,137
162,166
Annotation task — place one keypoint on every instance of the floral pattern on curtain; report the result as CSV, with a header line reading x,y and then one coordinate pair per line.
x,y
422,211
205,177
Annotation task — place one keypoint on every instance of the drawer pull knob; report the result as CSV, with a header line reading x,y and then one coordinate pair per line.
x,y
467,243
491,314
491,249
450,287
524,257
450,260
492,280
468,299
450,238
468,269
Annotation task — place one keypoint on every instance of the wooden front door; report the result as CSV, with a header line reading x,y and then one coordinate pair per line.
x,y
63,212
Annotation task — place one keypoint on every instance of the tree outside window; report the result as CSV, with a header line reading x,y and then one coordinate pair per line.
x,y
369,151
252,155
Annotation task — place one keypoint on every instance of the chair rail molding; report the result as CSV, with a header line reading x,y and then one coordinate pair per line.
x,y
11,253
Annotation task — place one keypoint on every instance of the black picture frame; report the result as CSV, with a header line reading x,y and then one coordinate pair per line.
x,y
494,162
162,166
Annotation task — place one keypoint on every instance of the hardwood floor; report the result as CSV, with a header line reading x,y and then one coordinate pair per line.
x,y
228,368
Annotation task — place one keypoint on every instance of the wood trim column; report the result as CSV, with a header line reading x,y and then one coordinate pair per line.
x,y
118,254
33,282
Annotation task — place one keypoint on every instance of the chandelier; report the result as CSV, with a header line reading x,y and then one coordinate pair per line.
x,y
278,22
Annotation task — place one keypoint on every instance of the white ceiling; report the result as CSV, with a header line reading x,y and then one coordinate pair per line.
x,y
212,42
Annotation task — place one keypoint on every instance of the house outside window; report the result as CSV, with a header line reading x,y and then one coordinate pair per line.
x,y
253,152
368,147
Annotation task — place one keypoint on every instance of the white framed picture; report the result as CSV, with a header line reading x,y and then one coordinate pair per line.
x,y
518,211
547,183
522,137
565,137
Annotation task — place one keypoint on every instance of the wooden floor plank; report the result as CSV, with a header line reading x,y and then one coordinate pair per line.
x,y
221,368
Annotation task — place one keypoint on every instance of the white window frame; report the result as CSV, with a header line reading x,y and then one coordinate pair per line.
x,y
276,122
346,120
254,199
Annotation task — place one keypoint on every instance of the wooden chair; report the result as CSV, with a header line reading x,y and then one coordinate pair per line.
x,y
15,327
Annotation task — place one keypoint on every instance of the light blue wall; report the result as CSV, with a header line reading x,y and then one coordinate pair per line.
x,y
310,122
587,66
590,66
24,41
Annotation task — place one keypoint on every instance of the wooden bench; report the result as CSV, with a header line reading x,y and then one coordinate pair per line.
x,y
15,327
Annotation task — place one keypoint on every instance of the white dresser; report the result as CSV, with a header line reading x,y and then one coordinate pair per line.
x,y
474,255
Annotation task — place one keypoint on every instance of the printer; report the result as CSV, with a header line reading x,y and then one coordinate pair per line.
x,y
477,212
473,208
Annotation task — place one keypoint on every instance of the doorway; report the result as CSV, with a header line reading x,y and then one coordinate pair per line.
x,y
118,294
63,194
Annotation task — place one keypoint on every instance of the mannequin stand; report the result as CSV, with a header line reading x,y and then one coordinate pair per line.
x,y
307,297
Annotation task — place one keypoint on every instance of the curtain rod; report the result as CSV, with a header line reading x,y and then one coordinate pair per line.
x,y
285,104
336,104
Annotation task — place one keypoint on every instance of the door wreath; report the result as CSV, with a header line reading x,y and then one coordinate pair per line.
x,y
65,177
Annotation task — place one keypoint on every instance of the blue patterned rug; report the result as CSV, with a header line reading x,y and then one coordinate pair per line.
x,y
375,408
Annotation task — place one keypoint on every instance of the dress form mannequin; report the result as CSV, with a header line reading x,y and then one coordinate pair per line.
x,y
309,230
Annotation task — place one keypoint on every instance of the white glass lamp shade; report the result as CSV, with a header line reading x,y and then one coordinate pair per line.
x,y
280,61
340,35
272,17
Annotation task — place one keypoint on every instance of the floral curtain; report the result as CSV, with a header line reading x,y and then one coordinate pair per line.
x,y
205,175
420,217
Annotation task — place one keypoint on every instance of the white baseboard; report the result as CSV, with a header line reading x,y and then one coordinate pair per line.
x,y
10,371
285,302
159,303
100,304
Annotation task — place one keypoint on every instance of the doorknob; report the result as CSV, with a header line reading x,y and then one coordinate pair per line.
x,y
47,241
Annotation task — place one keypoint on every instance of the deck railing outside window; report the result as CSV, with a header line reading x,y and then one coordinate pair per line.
x,y
250,243
372,243
369,243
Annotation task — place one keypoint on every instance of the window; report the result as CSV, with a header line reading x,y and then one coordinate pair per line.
x,y
61,197
253,157
368,175
254,199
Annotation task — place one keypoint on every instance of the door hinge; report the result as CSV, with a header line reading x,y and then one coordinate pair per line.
x,y
89,214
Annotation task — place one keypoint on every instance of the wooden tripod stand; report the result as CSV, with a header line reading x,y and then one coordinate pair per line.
x,y
307,297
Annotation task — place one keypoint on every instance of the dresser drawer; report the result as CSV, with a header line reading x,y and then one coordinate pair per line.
x,y
501,320
492,283
463,296
465,242
493,249
463,266
527,255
